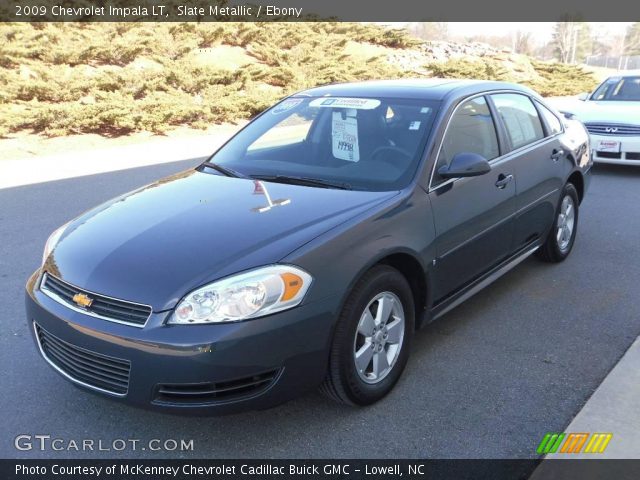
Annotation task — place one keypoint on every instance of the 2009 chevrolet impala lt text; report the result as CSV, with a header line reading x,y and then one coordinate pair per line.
x,y
307,250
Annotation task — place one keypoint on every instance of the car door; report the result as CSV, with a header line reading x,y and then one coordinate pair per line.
x,y
533,139
473,216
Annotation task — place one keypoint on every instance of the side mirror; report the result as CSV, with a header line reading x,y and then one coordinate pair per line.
x,y
465,164
583,97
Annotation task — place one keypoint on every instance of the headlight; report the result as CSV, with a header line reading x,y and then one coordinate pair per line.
x,y
52,241
248,295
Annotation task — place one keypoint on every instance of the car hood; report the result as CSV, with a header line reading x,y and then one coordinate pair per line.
x,y
157,243
607,112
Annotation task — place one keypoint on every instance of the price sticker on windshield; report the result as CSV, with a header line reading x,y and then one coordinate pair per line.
x,y
344,137
344,102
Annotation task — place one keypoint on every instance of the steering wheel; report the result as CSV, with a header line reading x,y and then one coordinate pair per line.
x,y
390,148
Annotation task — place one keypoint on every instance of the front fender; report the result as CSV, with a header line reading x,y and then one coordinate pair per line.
x,y
338,258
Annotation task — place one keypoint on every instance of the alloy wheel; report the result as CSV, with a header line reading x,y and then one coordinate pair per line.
x,y
379,337
565,223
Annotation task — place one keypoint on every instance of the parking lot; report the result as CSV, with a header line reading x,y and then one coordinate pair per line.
x,y
487,380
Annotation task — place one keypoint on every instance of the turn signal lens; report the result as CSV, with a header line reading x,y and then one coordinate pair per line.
x,y
292,285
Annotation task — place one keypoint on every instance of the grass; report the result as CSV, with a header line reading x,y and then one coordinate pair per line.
x,y
547,78
116,78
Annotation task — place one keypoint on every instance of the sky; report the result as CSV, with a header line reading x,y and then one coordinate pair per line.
x,y
542,31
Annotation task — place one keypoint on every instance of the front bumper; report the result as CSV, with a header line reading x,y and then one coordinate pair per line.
x,y
629,153
201,364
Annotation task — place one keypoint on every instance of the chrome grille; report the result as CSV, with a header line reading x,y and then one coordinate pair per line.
x,y
107,308
612,129
93,370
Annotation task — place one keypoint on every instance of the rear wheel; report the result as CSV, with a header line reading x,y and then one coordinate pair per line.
x,y
562,236
372,338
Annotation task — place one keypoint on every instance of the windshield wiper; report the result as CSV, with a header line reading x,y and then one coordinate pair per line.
x,y
229,172
305,181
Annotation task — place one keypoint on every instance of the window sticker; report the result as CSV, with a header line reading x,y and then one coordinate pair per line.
x,y
343,102
286,105
425,110
344,137
414,126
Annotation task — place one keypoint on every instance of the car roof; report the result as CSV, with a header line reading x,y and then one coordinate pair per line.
x,y
431,89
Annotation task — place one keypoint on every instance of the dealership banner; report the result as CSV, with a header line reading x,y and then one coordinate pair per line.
x,y
313,10
355,469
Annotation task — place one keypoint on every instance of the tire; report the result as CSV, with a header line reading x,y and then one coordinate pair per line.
x,y
388,338
562,236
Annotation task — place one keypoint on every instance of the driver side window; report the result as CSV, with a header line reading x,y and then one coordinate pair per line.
x,y
471,130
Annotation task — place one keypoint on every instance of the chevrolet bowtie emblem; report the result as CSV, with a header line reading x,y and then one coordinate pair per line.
x,y
82,300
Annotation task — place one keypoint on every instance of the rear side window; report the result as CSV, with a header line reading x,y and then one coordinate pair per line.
x,y
552,121
471,130
520,118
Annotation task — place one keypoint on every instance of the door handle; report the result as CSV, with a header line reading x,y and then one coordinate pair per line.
x,y
557,154
503,180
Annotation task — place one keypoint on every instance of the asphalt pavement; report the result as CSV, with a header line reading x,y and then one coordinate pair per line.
x,y
487,380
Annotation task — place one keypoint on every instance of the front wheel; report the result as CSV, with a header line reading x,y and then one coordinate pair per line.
x,y
372,338
562,236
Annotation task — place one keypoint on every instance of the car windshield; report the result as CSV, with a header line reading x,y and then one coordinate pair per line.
x,y
372,144
619,88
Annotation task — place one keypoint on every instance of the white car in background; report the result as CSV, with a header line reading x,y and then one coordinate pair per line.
x,y
612,116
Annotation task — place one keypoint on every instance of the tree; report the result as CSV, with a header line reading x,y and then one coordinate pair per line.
x,y
562,40
632,40
571,41
522,42
430,30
